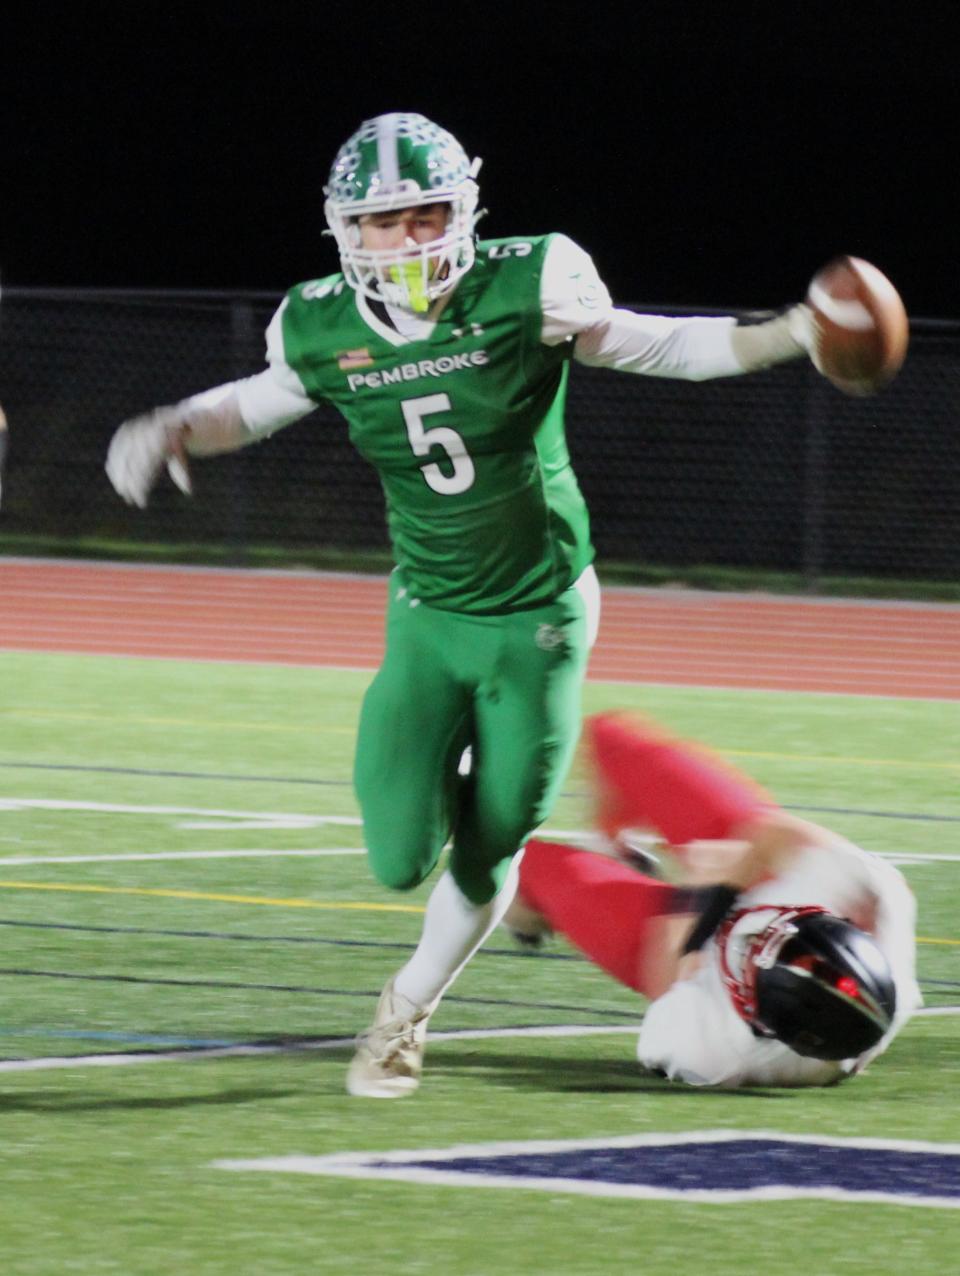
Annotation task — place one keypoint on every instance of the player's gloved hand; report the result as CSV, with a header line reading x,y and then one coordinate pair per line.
x,y
141,448
803,326
762,343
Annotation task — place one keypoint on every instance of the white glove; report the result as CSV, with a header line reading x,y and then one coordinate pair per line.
x,y
805,330
141,448
775,340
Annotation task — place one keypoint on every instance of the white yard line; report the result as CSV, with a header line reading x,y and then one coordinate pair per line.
x,y
251,853
203,818
118,1060
217,819
236,820
334,1043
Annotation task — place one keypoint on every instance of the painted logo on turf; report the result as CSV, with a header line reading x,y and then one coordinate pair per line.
x,y
750,1164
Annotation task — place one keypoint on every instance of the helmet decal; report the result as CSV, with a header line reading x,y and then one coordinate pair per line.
x,y
370,161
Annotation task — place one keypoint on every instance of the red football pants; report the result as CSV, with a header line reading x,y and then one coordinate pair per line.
x,y
648,779
603,907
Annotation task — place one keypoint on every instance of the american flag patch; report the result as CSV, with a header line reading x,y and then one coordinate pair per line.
x,y
354,359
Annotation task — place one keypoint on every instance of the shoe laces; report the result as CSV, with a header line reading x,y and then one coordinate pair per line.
x,y
398,1037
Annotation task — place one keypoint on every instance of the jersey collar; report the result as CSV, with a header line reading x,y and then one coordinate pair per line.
x,y
416,329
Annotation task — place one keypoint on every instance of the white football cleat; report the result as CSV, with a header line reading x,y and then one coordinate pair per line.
x,y
389,1057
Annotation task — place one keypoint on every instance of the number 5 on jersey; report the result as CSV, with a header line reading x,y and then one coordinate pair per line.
x,y
422,440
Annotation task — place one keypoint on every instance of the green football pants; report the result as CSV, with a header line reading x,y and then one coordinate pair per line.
x,y
508,686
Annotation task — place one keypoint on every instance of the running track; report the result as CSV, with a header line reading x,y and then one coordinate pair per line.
x,y
657,636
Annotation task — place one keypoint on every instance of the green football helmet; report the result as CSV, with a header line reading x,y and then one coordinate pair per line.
x,y
395,161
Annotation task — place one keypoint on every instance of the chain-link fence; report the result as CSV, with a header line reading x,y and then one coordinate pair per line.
x,y
775,471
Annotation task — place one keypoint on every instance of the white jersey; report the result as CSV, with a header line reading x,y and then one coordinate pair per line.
x,y
693,1033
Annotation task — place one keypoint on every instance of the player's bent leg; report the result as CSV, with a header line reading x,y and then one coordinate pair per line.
x,y
649,779
605,908
453,928
413,726
527,722
389,1056
406,782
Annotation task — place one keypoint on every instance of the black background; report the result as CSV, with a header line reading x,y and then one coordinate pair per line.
x,y
710,154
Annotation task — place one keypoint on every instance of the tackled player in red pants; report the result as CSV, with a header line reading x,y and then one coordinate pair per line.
x,y
794,966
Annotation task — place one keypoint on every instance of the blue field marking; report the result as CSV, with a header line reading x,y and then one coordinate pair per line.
x,y
710,1166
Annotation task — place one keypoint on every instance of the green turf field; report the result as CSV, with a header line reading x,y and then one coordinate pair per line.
x,y
115,940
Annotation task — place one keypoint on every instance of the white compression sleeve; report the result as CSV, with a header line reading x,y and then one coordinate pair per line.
x,y
693,349
775,340
576,307
212,422
232,415
453,930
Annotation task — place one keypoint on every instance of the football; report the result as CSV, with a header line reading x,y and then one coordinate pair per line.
x,y
861,325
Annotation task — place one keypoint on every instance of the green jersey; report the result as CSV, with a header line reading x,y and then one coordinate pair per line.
x,y
465,427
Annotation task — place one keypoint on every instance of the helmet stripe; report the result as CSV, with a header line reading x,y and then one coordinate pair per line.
x,y
387,159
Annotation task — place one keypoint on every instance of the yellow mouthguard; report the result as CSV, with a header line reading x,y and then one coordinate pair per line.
x,y
411,274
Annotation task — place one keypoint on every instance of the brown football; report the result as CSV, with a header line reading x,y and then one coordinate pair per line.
x,y
862,326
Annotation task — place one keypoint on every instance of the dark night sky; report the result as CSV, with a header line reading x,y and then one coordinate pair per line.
x,y
710,154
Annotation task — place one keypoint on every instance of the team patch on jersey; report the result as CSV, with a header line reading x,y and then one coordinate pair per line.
x,y
711,1166
354,359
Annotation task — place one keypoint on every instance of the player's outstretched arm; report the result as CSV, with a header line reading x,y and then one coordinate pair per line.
x,y
647,778
576,307
218,420
694,348
852,324
144,446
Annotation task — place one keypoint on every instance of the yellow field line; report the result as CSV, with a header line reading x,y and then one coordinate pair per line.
x,y
265,900
345,905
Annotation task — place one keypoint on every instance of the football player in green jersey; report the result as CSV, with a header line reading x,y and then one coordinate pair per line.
x,y
449,359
